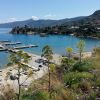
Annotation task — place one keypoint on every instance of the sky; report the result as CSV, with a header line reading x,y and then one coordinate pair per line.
x,y
12,10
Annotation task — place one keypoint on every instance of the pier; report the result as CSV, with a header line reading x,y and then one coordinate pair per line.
x,y
13,43
4,46
5,41
27,46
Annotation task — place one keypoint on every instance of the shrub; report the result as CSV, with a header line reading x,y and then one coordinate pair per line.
x,y
85,86
97,82
67,64
75,77
92,96
37,95
83,66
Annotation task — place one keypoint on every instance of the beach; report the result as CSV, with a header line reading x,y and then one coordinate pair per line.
x,y
4,79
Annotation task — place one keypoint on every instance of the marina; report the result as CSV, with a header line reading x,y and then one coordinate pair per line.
x,y
4,47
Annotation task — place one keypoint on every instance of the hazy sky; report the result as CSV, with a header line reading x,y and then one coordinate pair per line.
x,y
11,10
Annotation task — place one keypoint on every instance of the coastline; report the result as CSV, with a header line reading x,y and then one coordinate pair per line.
x,y
3,77
4,80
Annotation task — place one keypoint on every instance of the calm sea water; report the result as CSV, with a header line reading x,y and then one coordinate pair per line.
x,y
57,42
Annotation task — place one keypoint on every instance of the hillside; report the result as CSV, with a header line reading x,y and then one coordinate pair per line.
x,y
38,23
94,19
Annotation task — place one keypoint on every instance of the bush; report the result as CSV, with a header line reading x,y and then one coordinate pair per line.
x,y
75,77
85,86
92,96
67,64
37,95
97,82
83,66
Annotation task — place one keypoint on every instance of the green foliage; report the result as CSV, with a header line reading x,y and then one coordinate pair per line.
x,y
85,65
20,59
97,82
67,64
69,51
81,45
47,52
92,96
17,58
52,67
37,95
75,77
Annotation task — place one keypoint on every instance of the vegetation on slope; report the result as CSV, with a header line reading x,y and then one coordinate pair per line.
x,y
72,80
85,27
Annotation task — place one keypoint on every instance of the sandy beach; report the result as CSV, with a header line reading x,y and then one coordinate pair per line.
x,y
35,65
38,74
84,54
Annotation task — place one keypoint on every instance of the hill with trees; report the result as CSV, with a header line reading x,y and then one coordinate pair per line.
x,y
93,19
80,26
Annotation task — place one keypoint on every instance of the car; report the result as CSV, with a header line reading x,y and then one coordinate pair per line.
x,y
40,66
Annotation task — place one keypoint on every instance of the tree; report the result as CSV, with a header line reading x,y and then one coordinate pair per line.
x,y
20,59
69,51
48,54
80,46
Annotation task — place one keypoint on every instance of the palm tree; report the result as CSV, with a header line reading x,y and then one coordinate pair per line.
x,y
81,46
20,59
69,51
48,54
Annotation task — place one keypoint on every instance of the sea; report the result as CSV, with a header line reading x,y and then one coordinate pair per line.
x,y
58,43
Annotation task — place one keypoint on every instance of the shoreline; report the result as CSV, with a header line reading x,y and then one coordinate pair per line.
x,y
4,81
39,74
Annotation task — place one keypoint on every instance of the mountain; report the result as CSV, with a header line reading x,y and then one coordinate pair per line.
x,y
30,22
38,23
94,18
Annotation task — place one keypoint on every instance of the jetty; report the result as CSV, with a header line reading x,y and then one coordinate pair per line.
x,y
5,41
4,46
13,43
26,46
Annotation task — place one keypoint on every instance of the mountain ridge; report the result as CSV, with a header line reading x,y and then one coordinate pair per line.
x,y
44,23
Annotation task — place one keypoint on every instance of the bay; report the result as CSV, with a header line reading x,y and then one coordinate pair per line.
x,y
57,42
